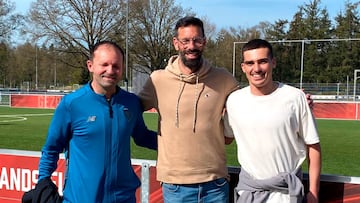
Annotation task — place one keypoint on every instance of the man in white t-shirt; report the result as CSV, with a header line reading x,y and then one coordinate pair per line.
x,y
275,132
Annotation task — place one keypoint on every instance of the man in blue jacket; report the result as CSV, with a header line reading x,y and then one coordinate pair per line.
x,y
93,126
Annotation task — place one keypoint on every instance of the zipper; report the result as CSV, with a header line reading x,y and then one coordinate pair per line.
x,y
110,108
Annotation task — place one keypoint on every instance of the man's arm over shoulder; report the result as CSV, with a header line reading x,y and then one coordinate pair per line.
x,y
309,99
228,140
141,134
147,94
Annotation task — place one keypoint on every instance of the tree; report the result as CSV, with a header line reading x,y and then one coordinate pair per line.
x,y
344,55
224,49
4,59
22,66
8,21
286,65
312,22
151,31
217,50
74,26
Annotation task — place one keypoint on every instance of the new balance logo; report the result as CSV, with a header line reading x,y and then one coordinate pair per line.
x,y
91,119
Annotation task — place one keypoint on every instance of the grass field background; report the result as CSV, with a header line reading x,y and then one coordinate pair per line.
x,y
26,129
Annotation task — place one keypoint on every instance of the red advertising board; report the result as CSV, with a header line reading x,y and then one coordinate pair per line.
x,y
337,110
35,101
321,109
19,173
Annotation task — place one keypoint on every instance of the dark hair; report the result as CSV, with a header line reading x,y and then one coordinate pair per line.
x,y
255,44
189,20
97,45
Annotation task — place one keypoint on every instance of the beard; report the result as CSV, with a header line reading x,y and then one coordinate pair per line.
x,y
193,64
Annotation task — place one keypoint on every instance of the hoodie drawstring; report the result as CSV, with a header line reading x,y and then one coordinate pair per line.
x,y
196,102
196,99
181,89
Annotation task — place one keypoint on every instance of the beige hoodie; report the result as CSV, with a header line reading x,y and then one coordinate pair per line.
x,y
191,145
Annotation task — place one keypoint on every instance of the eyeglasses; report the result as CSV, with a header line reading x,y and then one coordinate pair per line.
x,y
198,41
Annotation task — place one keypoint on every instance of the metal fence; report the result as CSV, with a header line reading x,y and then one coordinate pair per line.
x,y
328,91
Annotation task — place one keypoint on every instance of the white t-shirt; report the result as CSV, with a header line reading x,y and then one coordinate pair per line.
x,y
271,131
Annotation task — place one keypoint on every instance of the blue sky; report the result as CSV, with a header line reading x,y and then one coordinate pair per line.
x,y
244,13
247,13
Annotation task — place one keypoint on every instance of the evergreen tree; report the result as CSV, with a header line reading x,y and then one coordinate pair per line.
x,y
345,54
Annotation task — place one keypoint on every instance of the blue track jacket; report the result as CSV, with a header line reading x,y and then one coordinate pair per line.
x,y
95,134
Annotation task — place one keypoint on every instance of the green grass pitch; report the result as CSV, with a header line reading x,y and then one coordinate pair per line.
x,y
25,129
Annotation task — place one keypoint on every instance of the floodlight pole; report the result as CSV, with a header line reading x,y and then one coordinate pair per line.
x,y
36,67
355,78
356,105
302,63
127,47
55,73
234,58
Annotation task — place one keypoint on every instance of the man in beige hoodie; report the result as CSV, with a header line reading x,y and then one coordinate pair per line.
x,y
189,95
